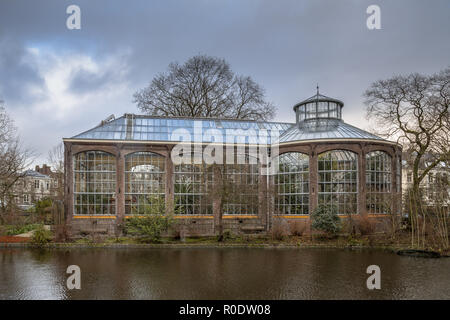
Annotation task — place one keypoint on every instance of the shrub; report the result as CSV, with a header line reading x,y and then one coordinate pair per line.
x,y
348,225
280,229
297,228
148,228
42,204
15,230
41,236
151,223
226,235
366,225
179,232
62,233
325,218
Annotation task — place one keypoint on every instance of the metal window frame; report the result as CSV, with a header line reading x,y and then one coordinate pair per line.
x,y
293,177
346,201
94,186
141,185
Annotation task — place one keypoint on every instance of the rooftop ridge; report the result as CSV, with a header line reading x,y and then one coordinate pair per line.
x,y
199,118
34,173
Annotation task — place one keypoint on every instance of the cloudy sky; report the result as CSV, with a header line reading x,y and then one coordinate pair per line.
x,y
57,82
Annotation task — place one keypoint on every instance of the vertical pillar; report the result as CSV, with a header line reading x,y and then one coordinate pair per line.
x,y
169,189
271,193
313,181
120,186
217,198
395,183
68,182
399,189
362,208
263,194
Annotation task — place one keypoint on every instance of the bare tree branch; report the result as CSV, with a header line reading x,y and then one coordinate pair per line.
x,y
204,87
414,109
13,161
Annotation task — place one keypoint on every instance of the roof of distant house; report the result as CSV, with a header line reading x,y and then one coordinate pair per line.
x,y
35,174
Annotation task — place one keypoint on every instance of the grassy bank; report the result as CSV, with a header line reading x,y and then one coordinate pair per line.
x,y
377,241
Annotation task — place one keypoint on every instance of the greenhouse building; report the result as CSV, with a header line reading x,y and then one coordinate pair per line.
x,y
236,175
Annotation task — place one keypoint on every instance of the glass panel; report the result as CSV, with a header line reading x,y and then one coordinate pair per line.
x,y
292,184
193,185
144,183
94,183
338,180
241,185
378,182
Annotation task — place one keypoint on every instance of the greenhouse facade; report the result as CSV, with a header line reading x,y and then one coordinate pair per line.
x,y
237,174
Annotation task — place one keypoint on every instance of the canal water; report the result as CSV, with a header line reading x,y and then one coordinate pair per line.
x,y
225,273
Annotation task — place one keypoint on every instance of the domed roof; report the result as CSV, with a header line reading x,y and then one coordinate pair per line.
x,y
318,98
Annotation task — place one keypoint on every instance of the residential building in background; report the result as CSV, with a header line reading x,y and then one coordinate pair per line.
x,y
435,186
33,186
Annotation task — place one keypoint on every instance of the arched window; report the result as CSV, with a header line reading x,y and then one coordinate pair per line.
x,y
338,180
240,186
378,182
144,183
292,184
193,186
94,183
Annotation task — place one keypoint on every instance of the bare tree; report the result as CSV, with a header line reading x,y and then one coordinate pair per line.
x,y
56,160
204,87
13,162
414,109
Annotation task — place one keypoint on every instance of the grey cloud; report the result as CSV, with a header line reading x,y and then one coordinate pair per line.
x,y
17,73
287,46
84,81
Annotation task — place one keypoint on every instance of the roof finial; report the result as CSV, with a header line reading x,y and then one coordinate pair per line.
x,y
317,89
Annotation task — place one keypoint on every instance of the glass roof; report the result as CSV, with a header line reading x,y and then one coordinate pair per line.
x,y
131,127
340,130
148,128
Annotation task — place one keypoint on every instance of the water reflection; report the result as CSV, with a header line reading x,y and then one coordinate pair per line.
x,y
229,273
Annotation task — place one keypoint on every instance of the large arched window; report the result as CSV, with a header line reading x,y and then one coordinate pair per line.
x,y
378,182
193,185
144,183
338,180
94,183
292,184
240,186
